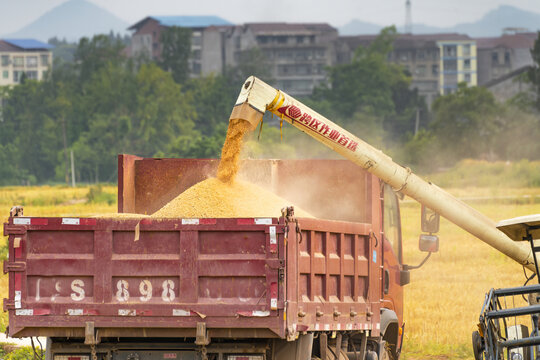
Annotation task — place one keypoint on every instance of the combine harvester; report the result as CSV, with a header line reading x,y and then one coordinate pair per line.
x,y
277,288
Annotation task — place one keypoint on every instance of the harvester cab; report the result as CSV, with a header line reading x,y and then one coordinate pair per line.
x,y
503,329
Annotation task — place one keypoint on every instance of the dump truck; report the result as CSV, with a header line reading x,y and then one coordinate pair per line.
x,y
283,287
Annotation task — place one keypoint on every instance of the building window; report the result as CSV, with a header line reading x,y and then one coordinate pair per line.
x,y
421,70
17,76
45,60
466,64
450,65
466,50
31,61
5,60
196,54
196,40
299,39
435,69
495,58
43,74
196,68
32,75
450,51
18,61
404,56
421,54
5,74
467,78
507,58
282,39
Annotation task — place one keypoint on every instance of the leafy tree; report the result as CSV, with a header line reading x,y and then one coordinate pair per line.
x,y
162,111
373,86
250,62
93,54
466,121
213,99
176,51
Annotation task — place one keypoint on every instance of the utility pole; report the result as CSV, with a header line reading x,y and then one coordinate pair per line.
x,y
417,123
72,170
408,17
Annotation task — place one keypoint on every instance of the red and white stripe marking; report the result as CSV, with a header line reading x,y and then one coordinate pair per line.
x,y
254,313
254,221
29,221
199,221
78,221
181,312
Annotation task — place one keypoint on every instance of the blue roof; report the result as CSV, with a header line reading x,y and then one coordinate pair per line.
x,y
28,44
191,21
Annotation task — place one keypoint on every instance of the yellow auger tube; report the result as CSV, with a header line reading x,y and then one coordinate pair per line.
x,y
257,97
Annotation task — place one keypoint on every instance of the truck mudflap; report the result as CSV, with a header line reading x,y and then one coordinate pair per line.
x,y
145,277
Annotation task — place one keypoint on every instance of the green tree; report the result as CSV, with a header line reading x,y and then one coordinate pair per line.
x,y
373,86
93,54
162,113
176,51
466,122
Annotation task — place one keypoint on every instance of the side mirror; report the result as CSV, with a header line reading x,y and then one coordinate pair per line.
x,y
430,220
428,243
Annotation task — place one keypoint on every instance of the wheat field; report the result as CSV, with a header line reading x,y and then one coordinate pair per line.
x,y
444,298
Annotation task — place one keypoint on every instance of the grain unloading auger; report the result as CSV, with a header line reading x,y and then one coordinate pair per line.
x,y
257,97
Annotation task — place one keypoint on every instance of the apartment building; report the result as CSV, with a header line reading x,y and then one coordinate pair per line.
x,y
297,53
503,55
207,42
458,63
436,62
23,56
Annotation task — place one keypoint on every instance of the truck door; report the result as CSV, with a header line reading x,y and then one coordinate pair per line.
x,y
392,253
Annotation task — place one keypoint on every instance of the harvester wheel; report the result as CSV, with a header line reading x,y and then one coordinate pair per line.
x,y
478,345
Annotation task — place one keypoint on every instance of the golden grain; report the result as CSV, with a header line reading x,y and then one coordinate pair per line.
x,y
213,198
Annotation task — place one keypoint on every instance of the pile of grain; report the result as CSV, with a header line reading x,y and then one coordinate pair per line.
x,y
212,198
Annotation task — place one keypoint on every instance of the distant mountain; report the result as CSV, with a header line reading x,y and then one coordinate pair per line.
x,y
491,24
496,20
358,27
72,20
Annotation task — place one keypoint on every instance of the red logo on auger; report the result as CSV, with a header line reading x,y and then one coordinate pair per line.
x,y
294,113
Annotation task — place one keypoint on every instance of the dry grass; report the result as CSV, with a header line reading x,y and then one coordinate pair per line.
x,y
443,301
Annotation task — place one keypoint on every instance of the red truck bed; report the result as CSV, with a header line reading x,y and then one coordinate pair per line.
x,y
244,278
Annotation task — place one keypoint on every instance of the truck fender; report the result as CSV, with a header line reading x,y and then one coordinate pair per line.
x,y
389,326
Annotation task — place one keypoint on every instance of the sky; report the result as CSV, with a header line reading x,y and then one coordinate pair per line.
x,y
15,14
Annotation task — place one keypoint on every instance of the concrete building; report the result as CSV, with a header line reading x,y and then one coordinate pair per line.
x,y
207,42
509,85
500,56
297,53
23,56
436,62
458,63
